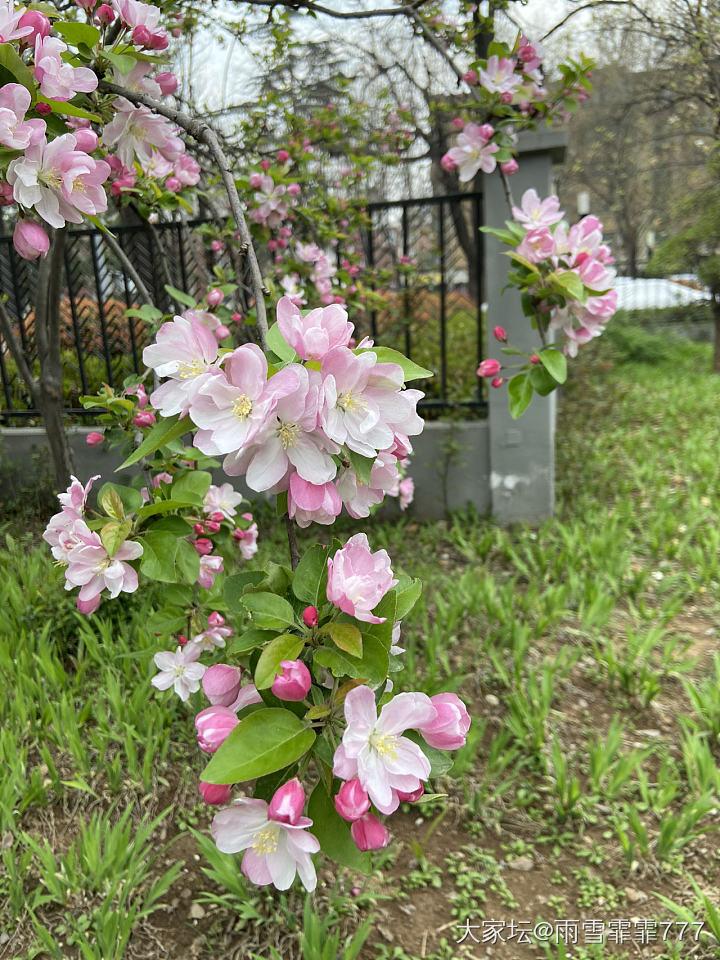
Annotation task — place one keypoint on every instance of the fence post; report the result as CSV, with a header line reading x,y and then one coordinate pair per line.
x,y
522,452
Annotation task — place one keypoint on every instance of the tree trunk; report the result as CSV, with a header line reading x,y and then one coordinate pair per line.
x,y
50,384
716,319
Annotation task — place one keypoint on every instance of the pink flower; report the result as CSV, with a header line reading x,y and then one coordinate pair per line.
x,y
406,492
187,170
293,682
223,499
215,297
374,750
144,418
184,350
470,77
309,502
449,728
509,167
30,240
74,500
135,13
352,801
275,850
247,696
167,82
136,131
312,336
104,15
10,28
369,834
86,140
534,212
474,151
309,252
247,540
212,638
310,616
216,794
94,439
500,76
59,80
221,684
60,182
286,805
214,725
16,133
91,568
210,567
358,497
489,368
359,579
538,244
179,670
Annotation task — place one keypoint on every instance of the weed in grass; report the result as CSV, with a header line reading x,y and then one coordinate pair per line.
x,y
610,768
474,872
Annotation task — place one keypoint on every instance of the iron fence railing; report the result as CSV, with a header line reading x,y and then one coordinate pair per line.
x,y
425,255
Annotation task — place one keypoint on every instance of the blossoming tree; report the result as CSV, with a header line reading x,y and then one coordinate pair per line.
x,y
308,741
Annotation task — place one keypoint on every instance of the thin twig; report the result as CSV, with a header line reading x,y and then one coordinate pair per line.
x,y
292,542
17,353
297,5
128,267
203,133
506,188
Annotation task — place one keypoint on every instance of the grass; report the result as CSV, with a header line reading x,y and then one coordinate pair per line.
x,y
587,649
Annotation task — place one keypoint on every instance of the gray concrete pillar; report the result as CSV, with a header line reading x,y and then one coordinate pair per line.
x,y
522,452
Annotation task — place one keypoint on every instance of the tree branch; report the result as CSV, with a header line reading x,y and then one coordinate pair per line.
x,y
128,267
292,542
204,133
311,7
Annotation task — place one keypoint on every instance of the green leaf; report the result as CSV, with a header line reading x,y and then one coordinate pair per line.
x,y
542,382
124,63
250,640
167,620
520,393
234,587
410,369
285,647
115,533
555,363
361,465
13,70
110,493
180,296
165,430
334,833
66,109
168,558
569,284
162,506
372,666
277,343
191,487
345,636
261,743
310,579
407,593
76,32
268,611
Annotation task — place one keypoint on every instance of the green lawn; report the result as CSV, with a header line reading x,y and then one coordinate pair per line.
x,y
587,650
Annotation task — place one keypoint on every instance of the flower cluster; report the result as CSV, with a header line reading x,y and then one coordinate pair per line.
x,y
326,425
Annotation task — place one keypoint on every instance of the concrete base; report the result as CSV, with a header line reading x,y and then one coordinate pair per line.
x,y
450,466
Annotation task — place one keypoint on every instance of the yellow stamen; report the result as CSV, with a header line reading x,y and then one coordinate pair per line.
x,y
288,434
242,407
189,370
351,401
266,841
385,744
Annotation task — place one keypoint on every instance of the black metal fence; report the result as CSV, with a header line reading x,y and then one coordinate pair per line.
x,y
425,254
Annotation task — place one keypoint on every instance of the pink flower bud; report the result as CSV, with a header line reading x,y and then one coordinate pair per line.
x,y
411,797
255,180
369,834
94,439
182,639
173,184
86,139
217,246
215,793
105,14
87,606
458,123
287,803
238,534
30,240
203,546
43,108
216,619
265,165
215,297
217,516
500,333
141,36
283,156
213,725
167,82
534,358
352,801
272,245
176,32
85,4
447,163
294,189
447,731
198,528
471,78
221,684
310,616
506,97
293,682
6,194
489,368
497,382
212,526
144,418
39,23
236,317
509,167
221,332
